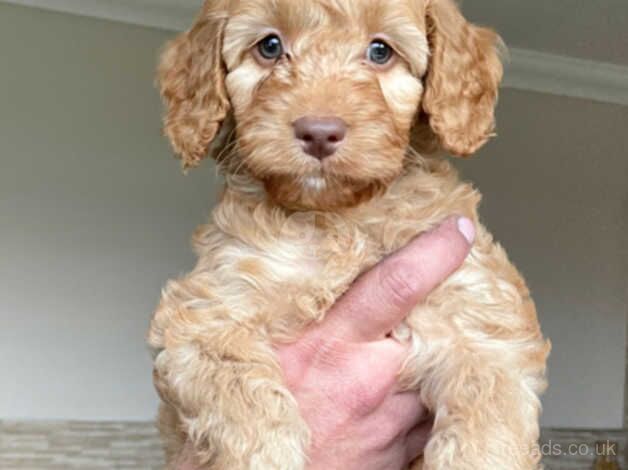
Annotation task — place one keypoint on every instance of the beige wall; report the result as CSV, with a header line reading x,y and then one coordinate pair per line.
x,y
555,185
95,216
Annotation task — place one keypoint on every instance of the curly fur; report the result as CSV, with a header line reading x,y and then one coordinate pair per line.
x,y
290,233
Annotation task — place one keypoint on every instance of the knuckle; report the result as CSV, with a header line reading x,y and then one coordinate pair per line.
x,y
399,279
330,353
293,360
366,394
363,400
386,434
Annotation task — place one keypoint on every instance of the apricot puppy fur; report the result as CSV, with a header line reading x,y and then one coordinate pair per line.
x,y
326,117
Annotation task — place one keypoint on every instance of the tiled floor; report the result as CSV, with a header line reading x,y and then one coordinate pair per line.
x,y
79,446
126,446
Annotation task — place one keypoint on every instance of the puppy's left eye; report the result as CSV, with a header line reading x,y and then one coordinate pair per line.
x,y
379,52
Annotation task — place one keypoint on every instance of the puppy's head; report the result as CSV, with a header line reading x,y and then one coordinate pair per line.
x,y
319,98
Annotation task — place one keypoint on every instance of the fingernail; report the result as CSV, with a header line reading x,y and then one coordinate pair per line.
x,y
467,229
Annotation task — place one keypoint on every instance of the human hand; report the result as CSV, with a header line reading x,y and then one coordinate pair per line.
x,y
343,371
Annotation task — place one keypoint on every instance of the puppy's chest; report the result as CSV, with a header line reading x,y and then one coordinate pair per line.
x,y
312,262
296,274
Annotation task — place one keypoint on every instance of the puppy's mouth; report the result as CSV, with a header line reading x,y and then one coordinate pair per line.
x,y
314,183
325,177
321,191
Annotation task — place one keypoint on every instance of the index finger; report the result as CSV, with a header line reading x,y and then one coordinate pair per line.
x,y
380,299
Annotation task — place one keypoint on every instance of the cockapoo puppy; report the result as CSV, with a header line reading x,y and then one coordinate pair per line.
x,y
327,117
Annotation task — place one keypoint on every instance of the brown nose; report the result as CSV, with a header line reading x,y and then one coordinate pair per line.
x,y
320,137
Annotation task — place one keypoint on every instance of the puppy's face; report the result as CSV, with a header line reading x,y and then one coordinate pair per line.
x,y
319,98
324,94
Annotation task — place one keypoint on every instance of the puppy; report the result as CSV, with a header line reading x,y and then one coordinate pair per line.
x,y
325,116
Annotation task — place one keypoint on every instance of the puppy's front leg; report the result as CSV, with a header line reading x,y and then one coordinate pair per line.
x,y
227,389
484,394
485,421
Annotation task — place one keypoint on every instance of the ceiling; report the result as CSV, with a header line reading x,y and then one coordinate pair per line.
x,y
590,29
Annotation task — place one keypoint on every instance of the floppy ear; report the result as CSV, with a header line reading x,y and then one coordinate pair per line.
x,y
462,81
191,79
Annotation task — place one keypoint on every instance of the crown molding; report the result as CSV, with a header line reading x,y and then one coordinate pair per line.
x,y
566,76
525,70
171,15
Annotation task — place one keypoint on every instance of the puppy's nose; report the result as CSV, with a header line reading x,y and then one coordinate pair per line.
x,y
320,137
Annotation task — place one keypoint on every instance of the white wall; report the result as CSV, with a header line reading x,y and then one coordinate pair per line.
x,y
95,216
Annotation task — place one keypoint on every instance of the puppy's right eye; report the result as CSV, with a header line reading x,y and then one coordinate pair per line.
x,y
270,48
379,53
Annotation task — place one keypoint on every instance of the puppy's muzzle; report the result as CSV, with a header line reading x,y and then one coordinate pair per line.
x,y
320,137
